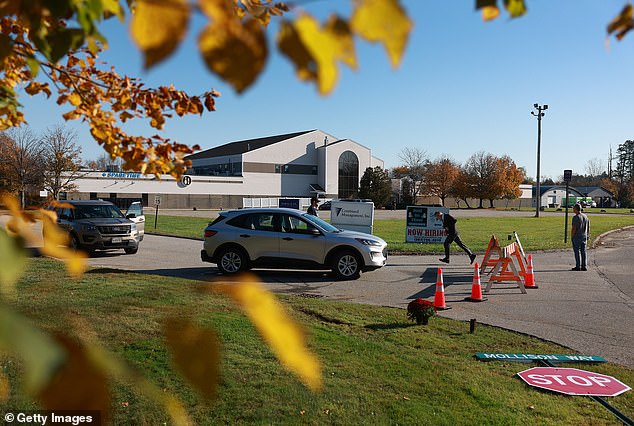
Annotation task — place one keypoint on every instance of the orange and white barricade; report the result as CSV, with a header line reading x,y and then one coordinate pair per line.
x,y
505,269
492,255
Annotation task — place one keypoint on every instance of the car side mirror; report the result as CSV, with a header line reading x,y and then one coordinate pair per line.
x,y
315,231
130,216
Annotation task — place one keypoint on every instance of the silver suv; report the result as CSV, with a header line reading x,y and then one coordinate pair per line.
x,y
288,239
97,225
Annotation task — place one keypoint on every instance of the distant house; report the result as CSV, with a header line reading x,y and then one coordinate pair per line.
x,y
599,194
553,196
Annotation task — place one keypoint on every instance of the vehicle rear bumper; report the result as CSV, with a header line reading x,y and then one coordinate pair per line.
x,y
205,257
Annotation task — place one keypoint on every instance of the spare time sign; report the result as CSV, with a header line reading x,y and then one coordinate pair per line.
x,y
421,225
572,381
487,356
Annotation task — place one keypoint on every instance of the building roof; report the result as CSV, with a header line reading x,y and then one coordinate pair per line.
x,y
588,189
545,188
240,147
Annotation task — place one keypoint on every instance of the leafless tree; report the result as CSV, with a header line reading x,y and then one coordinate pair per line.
x,y
22,160
62,160
105,163
595,167
415,161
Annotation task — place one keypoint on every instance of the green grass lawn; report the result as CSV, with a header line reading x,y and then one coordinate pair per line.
x,y
543,233
378,368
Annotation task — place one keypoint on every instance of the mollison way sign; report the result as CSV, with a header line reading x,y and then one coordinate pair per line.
x,y
488,356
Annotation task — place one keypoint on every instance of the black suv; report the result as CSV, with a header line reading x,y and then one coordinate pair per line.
x,y
97,225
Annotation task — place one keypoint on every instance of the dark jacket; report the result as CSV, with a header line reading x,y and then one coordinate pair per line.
x,y
449,223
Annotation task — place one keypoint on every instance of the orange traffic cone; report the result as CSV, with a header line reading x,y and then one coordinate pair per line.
x,y
476,288
529,280
439,297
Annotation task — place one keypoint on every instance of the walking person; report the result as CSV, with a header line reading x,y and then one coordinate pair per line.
x,y
579,235
449,223
312,209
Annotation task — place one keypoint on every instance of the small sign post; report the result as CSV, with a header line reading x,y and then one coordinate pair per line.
x,y
157,202
567,179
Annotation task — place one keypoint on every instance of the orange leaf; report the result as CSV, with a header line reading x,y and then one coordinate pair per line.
x,y
196,353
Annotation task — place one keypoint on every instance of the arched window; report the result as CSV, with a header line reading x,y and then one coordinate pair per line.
x,y
348,175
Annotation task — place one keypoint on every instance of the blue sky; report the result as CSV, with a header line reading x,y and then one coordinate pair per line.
x,y
463,86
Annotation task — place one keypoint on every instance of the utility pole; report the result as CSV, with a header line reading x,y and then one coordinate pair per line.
x,y
539,116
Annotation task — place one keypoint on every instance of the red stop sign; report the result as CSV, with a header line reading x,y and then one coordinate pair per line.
x,y
572,381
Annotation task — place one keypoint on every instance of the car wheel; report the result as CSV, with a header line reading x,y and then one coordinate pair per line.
x,y
232,260
73,244
131,250
346,265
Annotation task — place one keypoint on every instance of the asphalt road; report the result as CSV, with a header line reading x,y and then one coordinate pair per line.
x,y
591,312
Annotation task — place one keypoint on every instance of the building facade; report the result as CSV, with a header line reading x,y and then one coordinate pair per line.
x,y
296,165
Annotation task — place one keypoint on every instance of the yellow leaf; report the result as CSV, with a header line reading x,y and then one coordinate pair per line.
x,y
159,27
291,45
316,50
74,99
515,8
236,52
55,245
196,353
284,337
489,13
383,21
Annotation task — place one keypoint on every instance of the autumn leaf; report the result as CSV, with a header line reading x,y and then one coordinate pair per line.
x,y
284,337
159,27
623,23
13,262
37,350
77,384
234,51
383,21
315,50
290,43
515,8
490,13
196,354
56,245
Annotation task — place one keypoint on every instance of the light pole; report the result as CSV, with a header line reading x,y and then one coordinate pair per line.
x,y
539,116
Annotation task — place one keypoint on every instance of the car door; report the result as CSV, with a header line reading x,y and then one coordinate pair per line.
x,y
301,240
64,218
136,209
259,236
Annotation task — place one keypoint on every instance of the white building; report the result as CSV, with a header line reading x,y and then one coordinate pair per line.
x,y
295,165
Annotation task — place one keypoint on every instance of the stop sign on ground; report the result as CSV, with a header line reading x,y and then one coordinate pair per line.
x,y
572,381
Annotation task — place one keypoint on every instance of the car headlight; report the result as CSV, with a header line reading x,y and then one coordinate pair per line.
x,y
88,227
368,242
133,227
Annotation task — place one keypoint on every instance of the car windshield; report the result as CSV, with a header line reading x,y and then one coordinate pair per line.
x,y
320,222
97,211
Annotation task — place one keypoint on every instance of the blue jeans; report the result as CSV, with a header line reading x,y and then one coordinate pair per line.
x,y
579,247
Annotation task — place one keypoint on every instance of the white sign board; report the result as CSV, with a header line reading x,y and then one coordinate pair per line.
x,y
421,225
352,215
157,200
